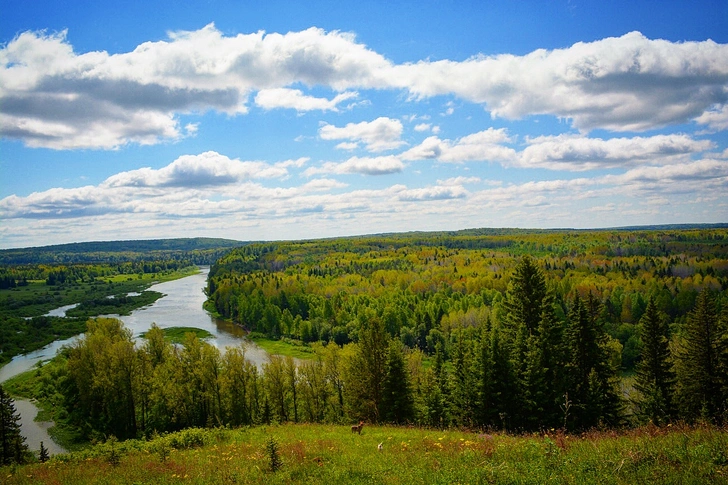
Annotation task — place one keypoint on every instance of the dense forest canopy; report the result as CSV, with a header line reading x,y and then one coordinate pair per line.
x,y
420,283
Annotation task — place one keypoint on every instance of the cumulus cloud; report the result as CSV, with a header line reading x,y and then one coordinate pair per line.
x,y
566,152
57,98
487,145
206,169
295,99
627,83
716,118
714,171
365,166
578,153
378,135
437,192
250,208
53,97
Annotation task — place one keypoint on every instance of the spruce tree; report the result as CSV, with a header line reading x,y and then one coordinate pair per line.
x,y
655,379
499,381
700,373
367,370
397,398
526,292
43,455
12,443
545,371
592,380
524,305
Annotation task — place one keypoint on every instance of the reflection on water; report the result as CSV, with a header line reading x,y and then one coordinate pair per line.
x,y
180,307
60,311
35,431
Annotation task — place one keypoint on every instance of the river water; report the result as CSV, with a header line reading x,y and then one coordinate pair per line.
x,y
180,307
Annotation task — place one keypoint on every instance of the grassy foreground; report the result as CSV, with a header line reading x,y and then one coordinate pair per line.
x,y
332,454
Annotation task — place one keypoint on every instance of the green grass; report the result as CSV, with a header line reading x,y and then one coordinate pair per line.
x,y
284,346
176,335
332,455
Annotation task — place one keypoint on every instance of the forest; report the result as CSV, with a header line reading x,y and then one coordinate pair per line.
x,y
512,330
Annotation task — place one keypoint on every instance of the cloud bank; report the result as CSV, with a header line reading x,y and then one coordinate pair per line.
x,y
54,97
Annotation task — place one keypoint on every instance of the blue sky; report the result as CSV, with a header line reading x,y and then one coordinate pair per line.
x,y
290,120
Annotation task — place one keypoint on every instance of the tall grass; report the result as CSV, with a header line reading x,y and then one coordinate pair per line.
x,y
332,454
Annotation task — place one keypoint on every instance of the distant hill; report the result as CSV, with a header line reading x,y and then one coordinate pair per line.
x,y
199,250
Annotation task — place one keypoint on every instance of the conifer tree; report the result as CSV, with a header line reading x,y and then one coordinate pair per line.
x,y
397,399
523,305
545,372
525,296
464,382
700,370
591,376
499,381
655,378
367,370
43,455
12,443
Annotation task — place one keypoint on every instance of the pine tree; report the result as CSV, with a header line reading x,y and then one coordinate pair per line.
x,y
43,455
527,290
523,305
591,377
498,386
700,373
397,399
655,378
366,371
12,443
464,382
545,374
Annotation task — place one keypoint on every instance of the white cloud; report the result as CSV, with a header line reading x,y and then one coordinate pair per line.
x,y
348,145
423,127
378,135
485,145
166,200
570,152
716,118
53,97
365,166
438,192
295,99
562,152
460,181
627,83
205,169
702,171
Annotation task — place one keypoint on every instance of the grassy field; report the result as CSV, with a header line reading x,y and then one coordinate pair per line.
x,y
332,454
176,335
284,346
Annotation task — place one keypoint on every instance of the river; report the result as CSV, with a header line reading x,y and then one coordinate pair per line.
x,y
180,307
